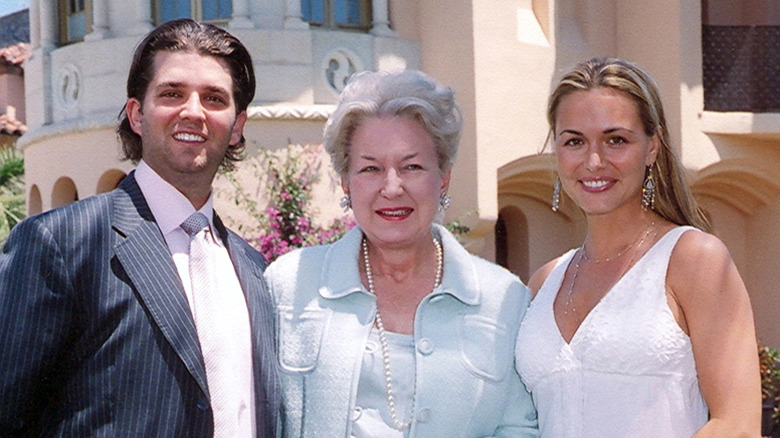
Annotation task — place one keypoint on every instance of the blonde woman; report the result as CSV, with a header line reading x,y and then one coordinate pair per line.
x,y
645,329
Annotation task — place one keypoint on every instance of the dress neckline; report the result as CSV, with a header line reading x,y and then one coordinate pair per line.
x,y
565,267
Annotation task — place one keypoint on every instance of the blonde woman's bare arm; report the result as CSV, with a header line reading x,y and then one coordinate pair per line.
x,y
717,315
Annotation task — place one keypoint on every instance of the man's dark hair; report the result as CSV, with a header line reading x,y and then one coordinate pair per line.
x,y
186,35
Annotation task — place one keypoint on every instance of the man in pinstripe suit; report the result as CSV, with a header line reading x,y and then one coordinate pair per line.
x,y
97,337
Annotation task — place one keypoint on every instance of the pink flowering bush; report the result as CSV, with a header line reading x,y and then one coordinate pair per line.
x,y
285,222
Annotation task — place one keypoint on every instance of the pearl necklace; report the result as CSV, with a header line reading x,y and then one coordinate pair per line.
x,y
383,337
582,256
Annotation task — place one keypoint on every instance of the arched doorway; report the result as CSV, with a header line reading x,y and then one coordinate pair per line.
x,y
512,241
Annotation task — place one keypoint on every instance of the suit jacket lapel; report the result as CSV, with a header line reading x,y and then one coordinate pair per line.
x,y
145,256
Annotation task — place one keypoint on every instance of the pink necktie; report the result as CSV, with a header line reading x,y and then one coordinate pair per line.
x,y
205,304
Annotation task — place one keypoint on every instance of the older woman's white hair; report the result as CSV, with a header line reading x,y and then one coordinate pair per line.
x,y
411,94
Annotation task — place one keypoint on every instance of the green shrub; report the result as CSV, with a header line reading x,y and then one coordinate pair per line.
x,y
12,209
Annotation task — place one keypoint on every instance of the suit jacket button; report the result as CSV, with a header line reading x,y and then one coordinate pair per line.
x,y
203,404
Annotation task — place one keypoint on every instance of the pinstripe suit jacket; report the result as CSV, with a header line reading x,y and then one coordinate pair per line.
x,y
96,336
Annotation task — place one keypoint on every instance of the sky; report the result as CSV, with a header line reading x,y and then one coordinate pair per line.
x,y
9,6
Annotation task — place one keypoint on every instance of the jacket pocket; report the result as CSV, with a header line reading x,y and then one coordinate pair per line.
x,y
300,337
486,347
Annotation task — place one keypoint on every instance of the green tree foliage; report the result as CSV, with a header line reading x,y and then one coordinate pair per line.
x,y
12,209
769,361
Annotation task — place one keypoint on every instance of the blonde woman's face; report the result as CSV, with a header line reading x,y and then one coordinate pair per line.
x,y
602,150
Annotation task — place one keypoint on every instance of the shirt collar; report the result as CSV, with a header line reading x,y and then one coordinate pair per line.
x,y
459,280
168,205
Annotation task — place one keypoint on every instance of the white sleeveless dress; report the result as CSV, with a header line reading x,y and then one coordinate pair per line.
x,y
629,369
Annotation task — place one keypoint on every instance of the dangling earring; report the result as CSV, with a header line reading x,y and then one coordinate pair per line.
x,y
648,189
346,202
444,201
556,200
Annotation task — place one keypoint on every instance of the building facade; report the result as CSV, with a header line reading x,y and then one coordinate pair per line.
x,y
501,58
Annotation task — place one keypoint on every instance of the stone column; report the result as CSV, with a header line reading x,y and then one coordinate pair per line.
x,y
240,19
143,17
100,28
381,23
35,24
292,16
48,25
38,88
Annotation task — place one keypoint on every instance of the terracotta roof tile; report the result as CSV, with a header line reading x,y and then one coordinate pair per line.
x,y
10,125
15,54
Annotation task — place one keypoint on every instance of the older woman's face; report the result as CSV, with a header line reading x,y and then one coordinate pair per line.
x,y
394,180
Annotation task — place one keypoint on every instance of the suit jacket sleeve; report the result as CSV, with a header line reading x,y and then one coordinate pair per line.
x,y
36,317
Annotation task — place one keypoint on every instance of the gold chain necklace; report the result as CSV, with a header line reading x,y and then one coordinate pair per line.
x,y
397,424
569,305
638,242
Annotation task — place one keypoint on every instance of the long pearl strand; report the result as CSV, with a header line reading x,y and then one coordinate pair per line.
x,y
383,337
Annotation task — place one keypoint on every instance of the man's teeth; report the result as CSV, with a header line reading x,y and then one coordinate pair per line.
x,y
188,137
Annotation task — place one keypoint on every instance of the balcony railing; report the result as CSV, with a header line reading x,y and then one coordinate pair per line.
x,y
741,68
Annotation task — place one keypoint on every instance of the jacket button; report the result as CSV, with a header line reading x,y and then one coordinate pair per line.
x,y
356,413
371,347
425,346
424,415
203,404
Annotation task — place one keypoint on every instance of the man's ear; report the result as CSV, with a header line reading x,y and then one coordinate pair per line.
x,y
134,114
238,128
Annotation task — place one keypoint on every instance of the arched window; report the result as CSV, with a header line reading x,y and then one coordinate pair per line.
x,y
341,14
213,11
64,192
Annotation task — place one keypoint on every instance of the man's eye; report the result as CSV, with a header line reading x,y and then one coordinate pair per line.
x,y
215,99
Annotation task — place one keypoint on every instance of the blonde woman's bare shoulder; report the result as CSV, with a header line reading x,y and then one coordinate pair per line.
x,y
538,277
700,261
696,247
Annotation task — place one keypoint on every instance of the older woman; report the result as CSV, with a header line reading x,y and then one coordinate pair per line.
x,y
646,329
396,330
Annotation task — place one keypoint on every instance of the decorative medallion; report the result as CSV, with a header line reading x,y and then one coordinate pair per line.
x,y
69,85
339,66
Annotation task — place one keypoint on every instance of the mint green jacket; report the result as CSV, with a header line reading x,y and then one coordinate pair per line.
x,y
464,332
